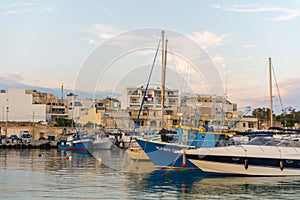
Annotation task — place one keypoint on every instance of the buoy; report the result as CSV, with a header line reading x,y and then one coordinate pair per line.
x,y
183,159
68,157
41,155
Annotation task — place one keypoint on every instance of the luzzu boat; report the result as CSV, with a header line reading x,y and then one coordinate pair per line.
x,y
75,142
163,154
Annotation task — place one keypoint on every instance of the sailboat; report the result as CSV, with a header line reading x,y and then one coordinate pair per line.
x,y
163,153
255,159
137,153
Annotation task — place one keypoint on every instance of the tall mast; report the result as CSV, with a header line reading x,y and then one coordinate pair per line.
x,y
163,79
271,95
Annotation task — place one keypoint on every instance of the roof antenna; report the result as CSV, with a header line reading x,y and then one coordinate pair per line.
x,y
62,91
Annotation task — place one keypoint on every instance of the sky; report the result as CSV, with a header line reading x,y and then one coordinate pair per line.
x,y
47,43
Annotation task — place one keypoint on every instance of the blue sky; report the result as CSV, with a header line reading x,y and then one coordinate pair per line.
x,y
45,43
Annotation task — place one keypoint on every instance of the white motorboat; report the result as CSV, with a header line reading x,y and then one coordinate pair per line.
x,y
103,142
281,159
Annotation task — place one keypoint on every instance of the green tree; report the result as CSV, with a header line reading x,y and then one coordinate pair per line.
x,y
64,122
289,117
263,114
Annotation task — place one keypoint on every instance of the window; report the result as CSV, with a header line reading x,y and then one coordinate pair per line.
x,y
77,104
169,112
244,124
251,125
133,99
145,113
153,123
172,102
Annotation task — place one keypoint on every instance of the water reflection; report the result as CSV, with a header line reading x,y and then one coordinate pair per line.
x,y
26,175
50,161
199,185
119,160
247,187
166,183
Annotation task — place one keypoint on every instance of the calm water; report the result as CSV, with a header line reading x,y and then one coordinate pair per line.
x,y
24,174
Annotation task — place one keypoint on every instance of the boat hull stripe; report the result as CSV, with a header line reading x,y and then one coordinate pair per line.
x,y
251,161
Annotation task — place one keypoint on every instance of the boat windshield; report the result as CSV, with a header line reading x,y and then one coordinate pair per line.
x,y
269,141
26,136
289,143
266,141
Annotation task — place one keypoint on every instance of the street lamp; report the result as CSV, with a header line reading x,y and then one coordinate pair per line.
x,y
6,121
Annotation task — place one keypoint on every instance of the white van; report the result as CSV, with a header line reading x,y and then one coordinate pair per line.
x,y
25,136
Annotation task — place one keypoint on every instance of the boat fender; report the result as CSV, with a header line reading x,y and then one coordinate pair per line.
x,y
183,159
68,157
281,165
246,164
71,144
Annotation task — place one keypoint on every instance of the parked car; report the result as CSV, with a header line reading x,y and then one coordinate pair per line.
x,y
15,138
51,137
2,138
25,136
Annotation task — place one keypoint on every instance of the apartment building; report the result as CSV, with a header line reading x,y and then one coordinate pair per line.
x,y
17,105
55,108
150,115
199,110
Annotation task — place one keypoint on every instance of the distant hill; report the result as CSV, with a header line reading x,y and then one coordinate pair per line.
x,y
57,91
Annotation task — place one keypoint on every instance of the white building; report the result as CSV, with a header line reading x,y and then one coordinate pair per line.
x,y
132,98
78,107
150,117
16,105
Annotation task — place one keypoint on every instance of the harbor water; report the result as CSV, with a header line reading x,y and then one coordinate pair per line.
x,y
50,174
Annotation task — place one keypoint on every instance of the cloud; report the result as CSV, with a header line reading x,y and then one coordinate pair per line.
x,y
20,8
8,80
249,45
285,14
101,32
104,31
13,5
17,11
219,61
288,89
289,93
209,39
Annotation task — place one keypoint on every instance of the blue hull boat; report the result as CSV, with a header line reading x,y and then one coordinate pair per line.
x,y
163,155
76,144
